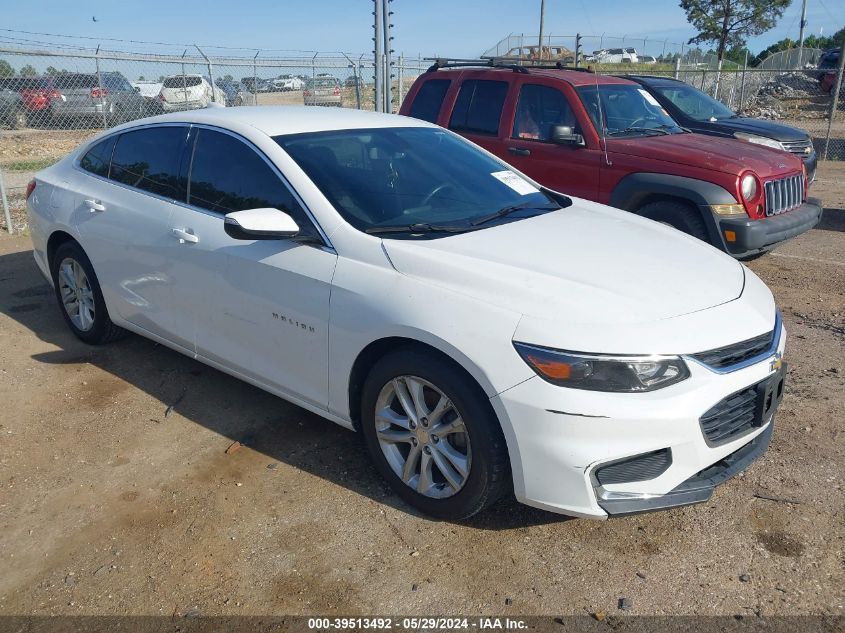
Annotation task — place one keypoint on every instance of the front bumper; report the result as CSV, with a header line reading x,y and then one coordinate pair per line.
x,y
560,438
754,236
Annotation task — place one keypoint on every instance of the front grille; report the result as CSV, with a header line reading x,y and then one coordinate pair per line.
x,y
798,147
784,194
638,468
737,353
731,417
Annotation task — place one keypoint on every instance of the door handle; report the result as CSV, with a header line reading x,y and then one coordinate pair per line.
x,y
519,151
183,236
95,206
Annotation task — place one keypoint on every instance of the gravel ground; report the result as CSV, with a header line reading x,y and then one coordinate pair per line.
x,y
118,496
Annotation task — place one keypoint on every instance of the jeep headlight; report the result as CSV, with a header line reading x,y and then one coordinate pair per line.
x,y
748,187
597,372
759,140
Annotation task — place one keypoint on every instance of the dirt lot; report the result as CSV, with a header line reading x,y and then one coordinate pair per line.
x,y
118,495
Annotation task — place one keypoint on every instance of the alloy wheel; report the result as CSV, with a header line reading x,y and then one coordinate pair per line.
x,y
423,437
76,293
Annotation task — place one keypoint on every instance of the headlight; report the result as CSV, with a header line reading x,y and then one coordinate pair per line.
x,y
748,187
758,140
603,373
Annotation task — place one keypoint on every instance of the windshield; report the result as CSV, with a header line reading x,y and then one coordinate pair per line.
x,y
695,104
626,110
422,179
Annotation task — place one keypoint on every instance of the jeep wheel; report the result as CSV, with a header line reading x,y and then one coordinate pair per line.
x,y
681,216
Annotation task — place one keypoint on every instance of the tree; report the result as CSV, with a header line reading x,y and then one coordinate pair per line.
x,y
140,77
52,71
6,69
730,22
228,78
28,71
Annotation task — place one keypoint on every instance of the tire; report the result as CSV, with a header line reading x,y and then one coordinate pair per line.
x,y
91,324
679,215
470,435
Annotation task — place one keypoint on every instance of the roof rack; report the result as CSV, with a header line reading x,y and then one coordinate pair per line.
x,y
498,62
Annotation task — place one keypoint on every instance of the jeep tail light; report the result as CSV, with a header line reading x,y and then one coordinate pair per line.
x,y
30,188
99,93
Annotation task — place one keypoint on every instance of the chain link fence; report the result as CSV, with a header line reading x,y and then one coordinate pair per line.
x,y
53,98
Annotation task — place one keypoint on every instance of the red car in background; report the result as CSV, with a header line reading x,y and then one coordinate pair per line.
x,y
38,94
828,81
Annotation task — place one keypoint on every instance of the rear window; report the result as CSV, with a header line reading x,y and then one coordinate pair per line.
x,y
116,82
478,107
426,105
149,159
325,82
72,82
180,82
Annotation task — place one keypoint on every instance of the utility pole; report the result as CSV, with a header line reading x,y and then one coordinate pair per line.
x,y
540,40
378,53
387,32
803,23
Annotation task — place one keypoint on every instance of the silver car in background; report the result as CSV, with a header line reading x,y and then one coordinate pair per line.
x,y
86,95
322,91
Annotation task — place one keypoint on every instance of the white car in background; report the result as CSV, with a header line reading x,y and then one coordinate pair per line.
x,y
483,333
288,84
189,92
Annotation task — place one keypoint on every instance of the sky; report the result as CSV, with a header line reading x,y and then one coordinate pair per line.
x,y
458,28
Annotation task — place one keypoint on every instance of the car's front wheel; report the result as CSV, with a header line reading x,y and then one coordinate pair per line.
x,y
79,296
433,435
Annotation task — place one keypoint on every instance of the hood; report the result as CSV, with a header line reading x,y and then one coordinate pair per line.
x,y
584,264
727,155
761,127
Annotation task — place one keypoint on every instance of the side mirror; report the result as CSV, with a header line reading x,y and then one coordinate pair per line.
x,y
564,135
260,224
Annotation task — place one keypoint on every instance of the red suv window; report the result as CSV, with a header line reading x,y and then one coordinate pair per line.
x,y
478,107
540,108
426,105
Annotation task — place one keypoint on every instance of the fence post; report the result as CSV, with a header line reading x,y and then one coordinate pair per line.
x,y
378,52
5,204
742,82
100,86
255,78
400,70
677,67
210,74
837,86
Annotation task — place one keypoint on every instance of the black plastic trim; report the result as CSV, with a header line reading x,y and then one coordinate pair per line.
x,y
753,236
699,487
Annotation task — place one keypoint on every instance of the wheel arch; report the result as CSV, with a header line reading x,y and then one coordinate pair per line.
x,y
378,348
56,239
637,190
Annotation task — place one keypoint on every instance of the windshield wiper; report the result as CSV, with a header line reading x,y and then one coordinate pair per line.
x,y
512,209
417,228
657,130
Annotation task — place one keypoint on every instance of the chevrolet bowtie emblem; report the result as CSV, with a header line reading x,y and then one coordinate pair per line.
x,y
777,361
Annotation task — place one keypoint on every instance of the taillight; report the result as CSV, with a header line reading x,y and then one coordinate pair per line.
x,y
30,188
54,94
161,96
336,90
306,93
99,93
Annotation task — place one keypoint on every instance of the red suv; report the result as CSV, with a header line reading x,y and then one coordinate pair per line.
x,y
607,139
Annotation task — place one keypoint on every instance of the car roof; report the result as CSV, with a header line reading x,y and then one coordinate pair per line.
x,y
276,120
573,77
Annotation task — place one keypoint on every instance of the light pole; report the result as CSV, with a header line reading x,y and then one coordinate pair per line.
x,y
540,39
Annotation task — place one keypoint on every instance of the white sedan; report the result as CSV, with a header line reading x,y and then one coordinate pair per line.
x,y
485,334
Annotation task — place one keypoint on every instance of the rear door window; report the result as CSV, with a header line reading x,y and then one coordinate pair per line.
x,y
426,105
148,159
478,107
228,175
97,159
